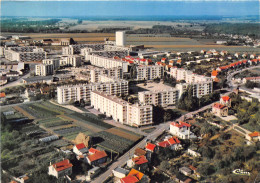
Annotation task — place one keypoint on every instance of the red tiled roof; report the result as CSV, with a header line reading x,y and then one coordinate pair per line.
x,y
140,160
192,168
173,140
254,134
180,124
2,95
164,144
80,146
93,151
214,73
97,156
225,98
62,165
136,173
150,146
129,179
219,106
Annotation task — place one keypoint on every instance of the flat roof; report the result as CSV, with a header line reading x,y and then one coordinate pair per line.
x,y
155,87
37,78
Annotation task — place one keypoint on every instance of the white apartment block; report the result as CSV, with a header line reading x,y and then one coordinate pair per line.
x,y
149,72
199,89
108,62
76,49
44,69
70,60
55,62
66,94
25,54
120,110
162,98
116,72
188,76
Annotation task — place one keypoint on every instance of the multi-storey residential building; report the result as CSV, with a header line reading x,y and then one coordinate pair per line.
x,y
70,60
199,89
149,72
115,72
25,54
139,115
55,62
162,98
44,69
66,94
76,49
120,110
182,74
108,62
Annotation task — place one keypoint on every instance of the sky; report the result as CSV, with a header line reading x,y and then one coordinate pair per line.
x,y
130,8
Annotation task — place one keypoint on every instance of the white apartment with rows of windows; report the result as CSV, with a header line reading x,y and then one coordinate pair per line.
x,y
149,72
115,72
72,93
55,62
162,98
44,69
25,54
70,60
107,63
120,110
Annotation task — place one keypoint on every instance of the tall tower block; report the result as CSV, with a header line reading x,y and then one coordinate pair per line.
x,y
120,38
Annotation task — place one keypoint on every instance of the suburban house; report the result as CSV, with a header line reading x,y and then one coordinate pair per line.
x,y
181,130
2,97
173,143
60,169
92,151
135,176
120,172
185,170
97,158
255,136
141,162
139,152
219,110
80,149
193,153
182,178
226,101
92,173
151,147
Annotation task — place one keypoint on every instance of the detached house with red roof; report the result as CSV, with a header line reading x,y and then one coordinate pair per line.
x,y
226,101
255,136
150,147
135,176
141,162
181,130
173,143
80,149
219,110
60,169
97,157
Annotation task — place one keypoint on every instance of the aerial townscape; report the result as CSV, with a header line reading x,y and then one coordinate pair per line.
x,y
129,101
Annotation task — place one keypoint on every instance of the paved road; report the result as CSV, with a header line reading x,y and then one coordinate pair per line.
x,y
16,83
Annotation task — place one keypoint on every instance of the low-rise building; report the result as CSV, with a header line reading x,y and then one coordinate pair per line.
x,y
120,172
173,143
185,170
226,101
97,158
219,110
80,149
181,130
60,169
255,136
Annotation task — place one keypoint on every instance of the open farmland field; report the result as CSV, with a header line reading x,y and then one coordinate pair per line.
x,y
68,124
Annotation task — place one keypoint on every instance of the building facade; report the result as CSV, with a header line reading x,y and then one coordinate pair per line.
x,y
44,69
120,110
149,72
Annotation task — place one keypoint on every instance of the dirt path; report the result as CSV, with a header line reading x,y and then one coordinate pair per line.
x,y
23,112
